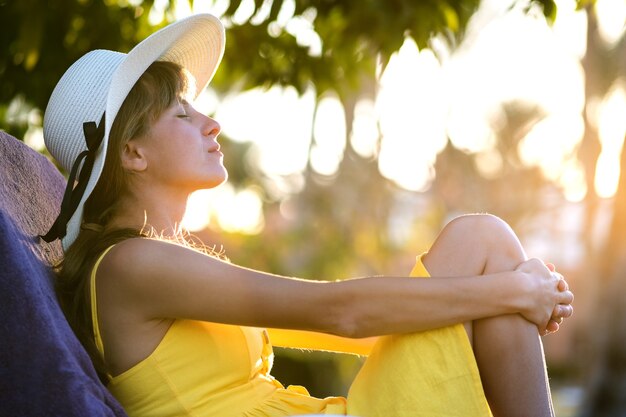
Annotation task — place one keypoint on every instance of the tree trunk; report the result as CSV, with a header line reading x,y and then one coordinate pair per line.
x,y
607,388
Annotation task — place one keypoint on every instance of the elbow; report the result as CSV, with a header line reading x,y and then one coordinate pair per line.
x,y
346,327
347,320
354,330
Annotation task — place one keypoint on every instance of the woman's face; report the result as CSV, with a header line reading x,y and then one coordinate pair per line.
x,y
182,150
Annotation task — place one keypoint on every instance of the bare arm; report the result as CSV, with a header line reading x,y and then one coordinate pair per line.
x,y
162,280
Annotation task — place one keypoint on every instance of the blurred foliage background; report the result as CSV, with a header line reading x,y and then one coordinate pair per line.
x,y
347,223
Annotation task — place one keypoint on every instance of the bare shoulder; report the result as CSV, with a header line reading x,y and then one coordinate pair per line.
x,y
161,279
136,256
143,247
138,263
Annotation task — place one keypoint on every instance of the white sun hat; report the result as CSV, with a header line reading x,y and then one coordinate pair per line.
x,y
86,100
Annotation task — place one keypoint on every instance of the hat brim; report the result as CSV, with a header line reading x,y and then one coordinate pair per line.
x,y
196,43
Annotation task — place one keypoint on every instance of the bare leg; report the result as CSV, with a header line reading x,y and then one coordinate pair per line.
x,y
508,350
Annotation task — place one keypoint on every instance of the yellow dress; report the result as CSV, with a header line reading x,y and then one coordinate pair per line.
x,y
209,369
425,374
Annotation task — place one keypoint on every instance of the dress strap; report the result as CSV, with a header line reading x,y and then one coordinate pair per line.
x,y
94,303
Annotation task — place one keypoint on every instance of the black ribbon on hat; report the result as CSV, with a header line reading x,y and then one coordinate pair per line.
x,y
72,196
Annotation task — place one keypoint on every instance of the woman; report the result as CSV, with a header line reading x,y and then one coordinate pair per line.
x,y
175,331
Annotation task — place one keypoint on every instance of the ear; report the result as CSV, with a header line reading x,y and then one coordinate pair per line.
x,y
134,157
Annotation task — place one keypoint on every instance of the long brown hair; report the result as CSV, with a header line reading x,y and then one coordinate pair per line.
x,y
159,87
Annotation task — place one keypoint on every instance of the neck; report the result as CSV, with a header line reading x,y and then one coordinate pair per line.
x,y
151,212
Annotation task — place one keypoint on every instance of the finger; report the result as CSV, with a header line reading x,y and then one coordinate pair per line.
x,y
562,285
565,297
561,312
557,314
550,266
565,311
552,327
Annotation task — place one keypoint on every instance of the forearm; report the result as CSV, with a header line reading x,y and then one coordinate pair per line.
x,y
376,306
365,307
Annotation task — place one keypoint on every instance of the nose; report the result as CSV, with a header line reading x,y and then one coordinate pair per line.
x,y
211,127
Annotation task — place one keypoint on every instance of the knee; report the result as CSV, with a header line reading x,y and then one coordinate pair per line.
x,y
470,243
476,243
485,234
483,226
492,235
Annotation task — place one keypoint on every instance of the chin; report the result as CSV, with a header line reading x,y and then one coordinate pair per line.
x,y
216,180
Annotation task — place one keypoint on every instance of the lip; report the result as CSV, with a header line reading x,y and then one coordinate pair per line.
x,y
216,152
214,148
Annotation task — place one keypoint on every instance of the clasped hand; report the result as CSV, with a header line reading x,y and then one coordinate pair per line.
x,y
550,298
